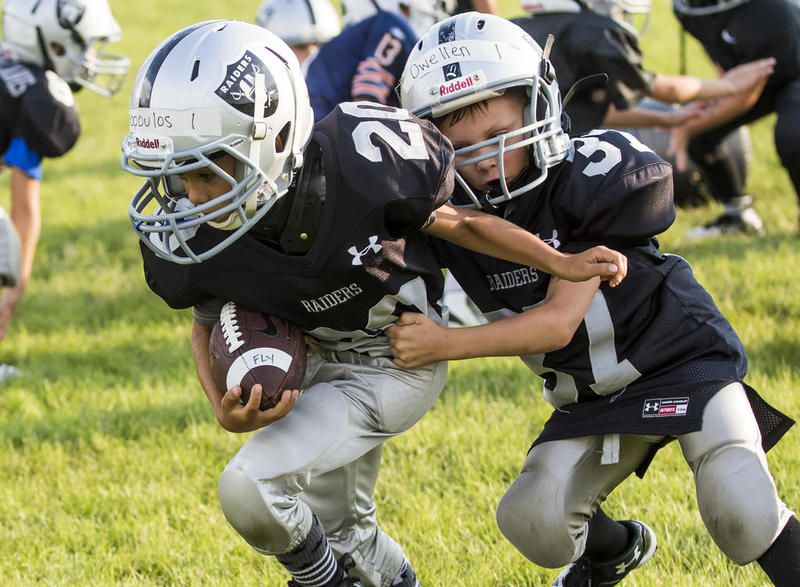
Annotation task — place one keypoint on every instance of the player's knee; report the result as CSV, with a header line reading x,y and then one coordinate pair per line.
x,y
738,502
249,513
533,518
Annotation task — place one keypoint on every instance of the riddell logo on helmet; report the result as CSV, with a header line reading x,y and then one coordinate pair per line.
x,y
148,143
456,86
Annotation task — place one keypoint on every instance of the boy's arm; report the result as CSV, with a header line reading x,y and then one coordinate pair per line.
x,y
739,79
416,340
493,236
26,216
232,415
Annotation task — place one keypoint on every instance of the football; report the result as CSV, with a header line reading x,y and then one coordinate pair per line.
x,y
249,347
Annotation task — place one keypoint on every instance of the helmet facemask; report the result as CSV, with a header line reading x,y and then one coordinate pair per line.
x,y
634,15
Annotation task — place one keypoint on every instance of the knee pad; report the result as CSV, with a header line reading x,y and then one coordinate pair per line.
x,y
738,501
253,516
532,515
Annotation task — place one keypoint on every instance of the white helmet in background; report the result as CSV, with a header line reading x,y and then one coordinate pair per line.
x,y
473,57
421,14
217,87
703,7
300,22
69,38
634,14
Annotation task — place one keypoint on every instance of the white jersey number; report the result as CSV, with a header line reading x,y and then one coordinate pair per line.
x,y
590,145
411,147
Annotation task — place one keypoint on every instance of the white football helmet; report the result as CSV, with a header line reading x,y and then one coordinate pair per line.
x,y
217,87
634,14
300,22
473,57
703,7
68,37
421,14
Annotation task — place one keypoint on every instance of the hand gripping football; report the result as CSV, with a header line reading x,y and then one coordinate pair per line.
x,y
249,347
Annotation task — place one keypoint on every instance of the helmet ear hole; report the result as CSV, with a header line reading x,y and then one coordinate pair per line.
x,y
58,49
282,140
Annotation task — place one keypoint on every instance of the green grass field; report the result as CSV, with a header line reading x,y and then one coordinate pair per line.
x,y
111,453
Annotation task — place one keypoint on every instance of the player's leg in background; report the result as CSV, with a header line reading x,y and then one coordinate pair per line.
x,y
546,512
724,174
327,448
787,131
736,494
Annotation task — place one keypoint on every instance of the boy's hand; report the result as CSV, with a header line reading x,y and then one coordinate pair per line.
x,y
235,417
416,340
602,262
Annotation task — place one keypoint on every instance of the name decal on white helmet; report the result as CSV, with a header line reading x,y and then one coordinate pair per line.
x,y
238,88
464,51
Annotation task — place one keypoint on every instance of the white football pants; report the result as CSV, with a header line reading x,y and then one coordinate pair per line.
x,y
546,510
324,457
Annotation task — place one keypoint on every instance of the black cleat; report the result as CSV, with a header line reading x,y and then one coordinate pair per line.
x,y
587,573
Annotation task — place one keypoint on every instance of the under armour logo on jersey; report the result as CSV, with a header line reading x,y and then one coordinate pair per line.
x,y
650,407
373,247
553,241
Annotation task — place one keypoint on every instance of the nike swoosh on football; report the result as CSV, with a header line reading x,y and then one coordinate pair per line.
x,y
270,329
728,38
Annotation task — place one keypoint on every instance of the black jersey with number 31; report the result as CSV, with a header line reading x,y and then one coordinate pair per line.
x,y
385,173
657,337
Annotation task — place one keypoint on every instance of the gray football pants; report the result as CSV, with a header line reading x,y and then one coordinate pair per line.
x,y
546,511
324,457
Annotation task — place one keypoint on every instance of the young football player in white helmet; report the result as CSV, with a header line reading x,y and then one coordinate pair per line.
x,y
633,367
732,32
49,49
243,201
596,37
302,24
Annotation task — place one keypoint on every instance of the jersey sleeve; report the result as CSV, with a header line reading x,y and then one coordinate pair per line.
x,y
49,120
619,193
386,49
392,161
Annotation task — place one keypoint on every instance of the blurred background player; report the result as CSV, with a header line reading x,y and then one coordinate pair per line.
x,y
364,62
733,32
50,48
304,25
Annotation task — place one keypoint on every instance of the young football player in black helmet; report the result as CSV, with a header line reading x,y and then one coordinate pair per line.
x,y
49,49
244,201
632,367
733,32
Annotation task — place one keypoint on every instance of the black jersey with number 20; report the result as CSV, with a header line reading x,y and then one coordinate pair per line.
x,y
385,173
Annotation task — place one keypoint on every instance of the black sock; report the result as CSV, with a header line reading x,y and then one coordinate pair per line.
x,y
606,539
781,562
313,563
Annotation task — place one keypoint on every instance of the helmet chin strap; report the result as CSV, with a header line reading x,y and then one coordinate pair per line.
x,y
260,133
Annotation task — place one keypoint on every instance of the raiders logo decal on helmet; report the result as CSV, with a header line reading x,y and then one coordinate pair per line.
x,y
238,89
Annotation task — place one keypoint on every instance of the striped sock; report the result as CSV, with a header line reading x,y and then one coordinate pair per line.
x,y
312,564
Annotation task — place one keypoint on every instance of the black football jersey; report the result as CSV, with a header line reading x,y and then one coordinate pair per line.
x,y
385,173
755,30
587,43
38,106
657,337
